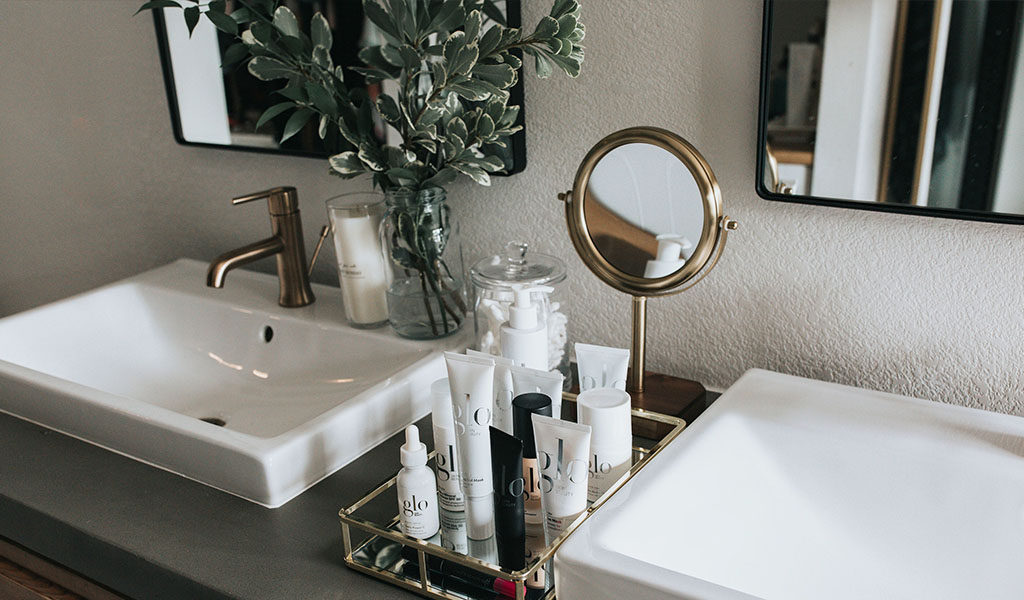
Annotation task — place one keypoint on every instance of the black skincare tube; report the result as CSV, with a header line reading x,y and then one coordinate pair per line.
x,y
507,477
523,406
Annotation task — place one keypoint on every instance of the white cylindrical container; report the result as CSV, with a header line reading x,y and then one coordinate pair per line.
x,y
355,220
446,461
417,490
607,411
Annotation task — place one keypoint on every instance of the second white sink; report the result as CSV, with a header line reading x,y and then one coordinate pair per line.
x,y
222,386
792,489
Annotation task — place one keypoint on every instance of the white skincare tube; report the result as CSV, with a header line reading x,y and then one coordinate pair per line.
x,y
607,411
601,367
502,418
562,449
446,461
471,380
549,383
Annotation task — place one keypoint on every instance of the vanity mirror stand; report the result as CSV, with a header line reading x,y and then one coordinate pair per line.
x,y
645,216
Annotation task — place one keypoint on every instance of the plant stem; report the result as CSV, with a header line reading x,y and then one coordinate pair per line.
x,y
426,303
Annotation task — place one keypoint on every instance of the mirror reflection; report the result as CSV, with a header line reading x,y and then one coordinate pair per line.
x,y
911,103
643,210
214,101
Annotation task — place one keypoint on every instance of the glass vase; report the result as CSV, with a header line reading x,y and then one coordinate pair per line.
x,y
426,295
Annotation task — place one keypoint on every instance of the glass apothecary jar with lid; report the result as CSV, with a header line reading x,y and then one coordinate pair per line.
x,y
495,280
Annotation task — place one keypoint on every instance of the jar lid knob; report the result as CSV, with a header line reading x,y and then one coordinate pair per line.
x,y
515,256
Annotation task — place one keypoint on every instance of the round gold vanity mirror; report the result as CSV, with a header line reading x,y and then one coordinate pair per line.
x,y
645,215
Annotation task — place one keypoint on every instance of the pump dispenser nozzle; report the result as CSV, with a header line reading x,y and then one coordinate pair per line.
x,y
523,314
525,338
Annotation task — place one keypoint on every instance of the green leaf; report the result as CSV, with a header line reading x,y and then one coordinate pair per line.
x,y
267,69
484,127
490,41
294,92
543,66
191,18
370,154
234,54
320,31
403,177
441,178
458,128
379,17
388,109
501,76
404,18
448,17
430,115
494,13
346,164
547,28
472,26
158,4
322,130
322,58
392,55
272,112
296,122
473,172
223,22
285,22
321,99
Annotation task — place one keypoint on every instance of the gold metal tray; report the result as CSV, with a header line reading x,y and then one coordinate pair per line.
x,y
374,545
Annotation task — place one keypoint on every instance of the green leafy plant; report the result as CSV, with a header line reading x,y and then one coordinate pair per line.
x,y
453,72
453,63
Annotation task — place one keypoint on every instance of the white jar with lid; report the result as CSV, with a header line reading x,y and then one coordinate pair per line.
x,y
495,280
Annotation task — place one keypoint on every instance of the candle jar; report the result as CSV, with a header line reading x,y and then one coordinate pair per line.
x,y
355,220
494,280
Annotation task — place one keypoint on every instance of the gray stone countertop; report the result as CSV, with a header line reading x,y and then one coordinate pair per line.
x,y
147,533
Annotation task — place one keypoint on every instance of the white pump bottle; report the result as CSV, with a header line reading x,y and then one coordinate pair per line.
x,y
525,338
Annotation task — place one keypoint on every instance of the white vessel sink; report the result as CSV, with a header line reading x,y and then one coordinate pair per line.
x,y
793,489
218,385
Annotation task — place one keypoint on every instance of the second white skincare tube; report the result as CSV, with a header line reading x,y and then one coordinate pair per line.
x,y
502,418
549,383
607,411
446,461
562,449
472,380
601,367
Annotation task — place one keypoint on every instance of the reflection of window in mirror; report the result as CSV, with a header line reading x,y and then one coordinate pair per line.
x,y
903,102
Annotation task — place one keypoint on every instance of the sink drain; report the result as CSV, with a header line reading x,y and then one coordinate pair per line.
x,y
214,421
266,334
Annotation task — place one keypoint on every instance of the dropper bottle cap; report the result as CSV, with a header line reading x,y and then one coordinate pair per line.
x,y
414,452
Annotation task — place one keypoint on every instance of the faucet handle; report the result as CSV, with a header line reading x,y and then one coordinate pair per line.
x,y
280,200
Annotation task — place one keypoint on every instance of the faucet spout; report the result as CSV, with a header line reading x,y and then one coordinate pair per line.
x,y
219,268
285,243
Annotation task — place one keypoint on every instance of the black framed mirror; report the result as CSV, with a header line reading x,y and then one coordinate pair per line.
x,y
218,108
909,106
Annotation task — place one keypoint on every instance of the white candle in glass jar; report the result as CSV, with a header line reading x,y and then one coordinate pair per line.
x,y
361,269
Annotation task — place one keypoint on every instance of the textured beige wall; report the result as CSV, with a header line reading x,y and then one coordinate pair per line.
x,y
94,188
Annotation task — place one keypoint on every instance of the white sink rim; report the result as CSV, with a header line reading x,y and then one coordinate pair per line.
x,y
260,469
585,564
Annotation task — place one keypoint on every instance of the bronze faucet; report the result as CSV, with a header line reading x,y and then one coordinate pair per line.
x,y
286,243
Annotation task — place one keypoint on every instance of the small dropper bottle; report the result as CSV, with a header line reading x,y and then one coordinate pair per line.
x,y
417,489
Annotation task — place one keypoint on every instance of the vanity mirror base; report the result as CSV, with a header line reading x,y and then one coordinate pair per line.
x,y
662,394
